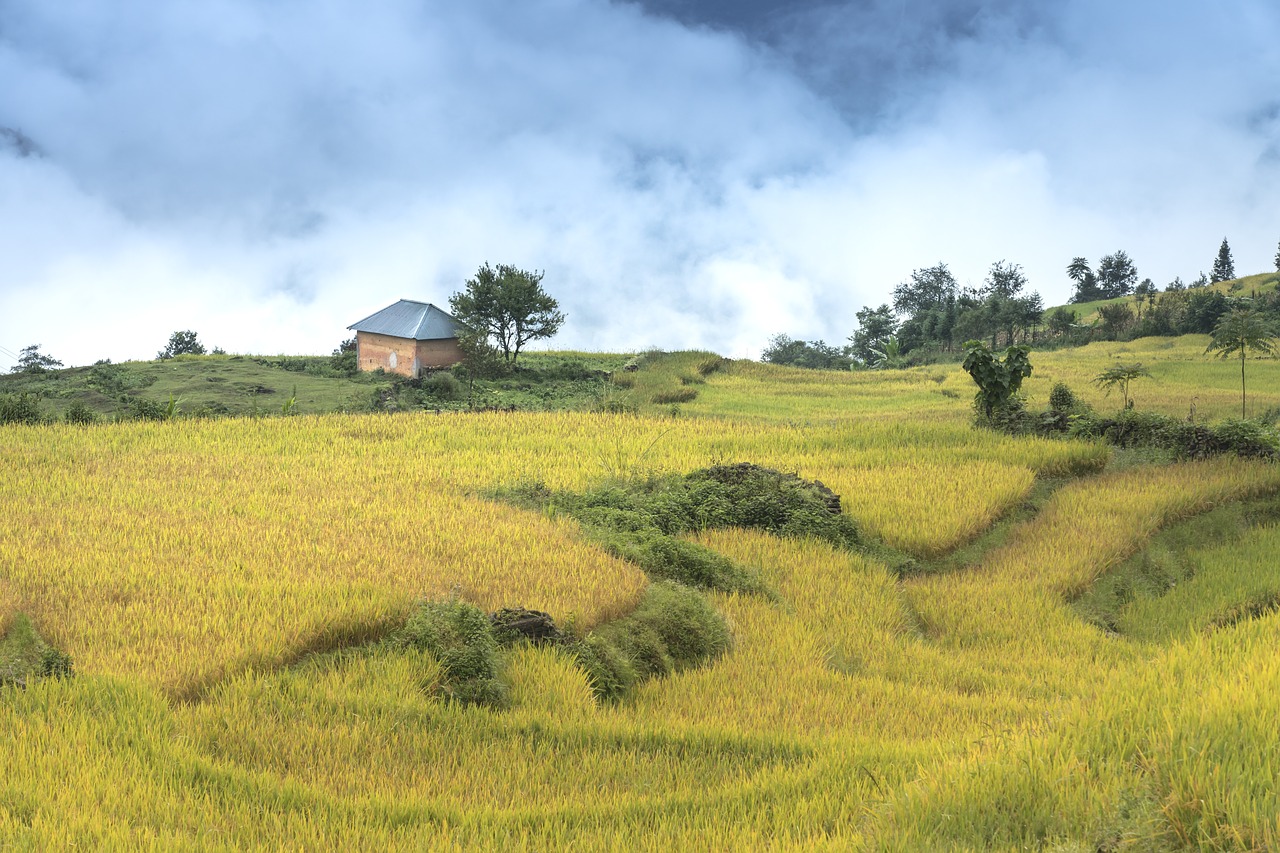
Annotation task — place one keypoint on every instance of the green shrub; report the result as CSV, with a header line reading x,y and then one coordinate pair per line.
x,y
642,520
460,636
676,395
144,409
79,413
673,628
1062,398
1134,429
442,385
21,408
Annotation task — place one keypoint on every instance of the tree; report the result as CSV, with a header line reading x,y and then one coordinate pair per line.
x,y
875,326
930,288
1278,257
345,357
31,360
815,355
1005,280
1224,268
888,356
1086,283
1241,329
508,305
998,381
1146,293
1060,320
1116,319
480,360
1119,377
1116,275
182,343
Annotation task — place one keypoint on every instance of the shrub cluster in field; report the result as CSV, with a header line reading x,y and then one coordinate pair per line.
x,y
672,628
641,520
1129,428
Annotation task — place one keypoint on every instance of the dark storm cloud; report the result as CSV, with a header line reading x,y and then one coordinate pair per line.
x,y
687,173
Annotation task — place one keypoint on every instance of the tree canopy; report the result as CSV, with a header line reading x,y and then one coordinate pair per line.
x,y
1224,267
31,360
508,305
929,288
182,343
1081,273
1116,275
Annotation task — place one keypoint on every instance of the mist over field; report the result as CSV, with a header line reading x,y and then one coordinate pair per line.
x,y
688,174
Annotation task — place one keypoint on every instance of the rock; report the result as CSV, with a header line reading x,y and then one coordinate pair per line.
x,y
517,623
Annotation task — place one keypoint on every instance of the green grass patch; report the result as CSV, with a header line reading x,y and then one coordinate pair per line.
x,y
25,656
1212,570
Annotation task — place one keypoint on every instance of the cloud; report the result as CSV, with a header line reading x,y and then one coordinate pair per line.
x,y
701,174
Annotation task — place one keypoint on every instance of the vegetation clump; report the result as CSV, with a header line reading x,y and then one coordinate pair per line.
x,y
673,628
25,656
23,408
641,520
460,636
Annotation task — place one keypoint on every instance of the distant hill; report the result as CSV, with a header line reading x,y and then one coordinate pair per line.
x,y
221,385
1087,312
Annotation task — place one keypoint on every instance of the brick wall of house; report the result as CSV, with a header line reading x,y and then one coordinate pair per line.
x,y
439,353
404,355
394,355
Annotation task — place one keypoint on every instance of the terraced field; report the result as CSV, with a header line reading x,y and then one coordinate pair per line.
x,y
220,586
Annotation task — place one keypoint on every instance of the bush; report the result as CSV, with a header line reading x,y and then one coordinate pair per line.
x,y
442,385
673,628
21,408
1063,399
641,520
344,359
79,413
1132,429
461,638
677,395
144,409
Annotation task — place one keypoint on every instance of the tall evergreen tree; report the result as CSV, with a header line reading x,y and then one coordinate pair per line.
x,y
1224,268
1278,257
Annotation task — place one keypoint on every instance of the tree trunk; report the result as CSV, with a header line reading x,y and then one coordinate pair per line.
x,y
1242,414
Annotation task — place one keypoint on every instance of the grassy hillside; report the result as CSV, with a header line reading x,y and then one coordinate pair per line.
x,y
217,385
1087,312
230,592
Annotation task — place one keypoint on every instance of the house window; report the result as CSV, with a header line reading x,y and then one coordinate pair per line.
x,y
393,359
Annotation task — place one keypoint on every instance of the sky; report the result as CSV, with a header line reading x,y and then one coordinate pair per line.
x,y
686,173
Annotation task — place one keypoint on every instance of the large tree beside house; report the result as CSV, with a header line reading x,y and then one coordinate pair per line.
x,y
508,305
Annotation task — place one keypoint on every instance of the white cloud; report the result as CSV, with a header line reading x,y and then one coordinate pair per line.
x,y
267,173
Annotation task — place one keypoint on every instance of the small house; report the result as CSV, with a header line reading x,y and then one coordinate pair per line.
x,y
407,338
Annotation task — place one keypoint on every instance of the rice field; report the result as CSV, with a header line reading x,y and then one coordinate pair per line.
x,y
216,582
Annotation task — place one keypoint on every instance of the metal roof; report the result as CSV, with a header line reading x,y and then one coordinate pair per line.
x,y
420,321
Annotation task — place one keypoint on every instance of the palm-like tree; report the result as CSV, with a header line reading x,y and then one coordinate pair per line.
x,y
1239,330
889,356
1119,377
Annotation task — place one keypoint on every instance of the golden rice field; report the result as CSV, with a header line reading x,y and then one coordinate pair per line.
x,y
190,567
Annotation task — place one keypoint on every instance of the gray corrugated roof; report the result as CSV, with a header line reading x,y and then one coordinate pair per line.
x,y
421,321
